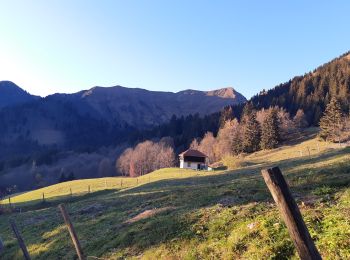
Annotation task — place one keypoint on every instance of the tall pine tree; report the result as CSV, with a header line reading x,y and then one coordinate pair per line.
x,y
270,132
250,130
331,121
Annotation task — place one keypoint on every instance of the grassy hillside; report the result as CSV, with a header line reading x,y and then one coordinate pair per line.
x,y
194,215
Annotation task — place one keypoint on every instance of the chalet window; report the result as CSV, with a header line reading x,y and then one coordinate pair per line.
x,y
188,164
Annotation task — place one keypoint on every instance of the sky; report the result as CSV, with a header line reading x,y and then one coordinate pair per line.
x,y
69,45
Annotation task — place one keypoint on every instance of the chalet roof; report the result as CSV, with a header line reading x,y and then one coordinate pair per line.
x,y
193,153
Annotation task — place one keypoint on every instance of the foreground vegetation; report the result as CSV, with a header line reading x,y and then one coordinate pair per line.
x,y
178,214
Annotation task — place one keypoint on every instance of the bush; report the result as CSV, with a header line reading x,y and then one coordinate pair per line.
x,y
233,162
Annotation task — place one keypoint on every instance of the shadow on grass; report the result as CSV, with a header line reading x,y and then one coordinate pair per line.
x,y
109,232
191,194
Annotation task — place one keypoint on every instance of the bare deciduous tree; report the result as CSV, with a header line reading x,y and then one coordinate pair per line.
x,y
146,157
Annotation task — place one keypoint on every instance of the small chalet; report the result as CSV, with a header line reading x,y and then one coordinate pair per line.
x,y
193,159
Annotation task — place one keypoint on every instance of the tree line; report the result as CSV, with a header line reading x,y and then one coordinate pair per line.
x,y
256,130
146,157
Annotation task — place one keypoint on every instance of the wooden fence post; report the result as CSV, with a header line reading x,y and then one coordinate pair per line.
x,y
290,214
19,240
1,245
89,188
71,193
72,232
43,197
10,202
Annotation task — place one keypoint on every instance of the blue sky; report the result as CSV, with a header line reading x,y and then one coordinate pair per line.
x,y
70,45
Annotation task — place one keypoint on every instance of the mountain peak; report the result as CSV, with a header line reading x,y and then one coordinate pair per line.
x,y
228,92
11,94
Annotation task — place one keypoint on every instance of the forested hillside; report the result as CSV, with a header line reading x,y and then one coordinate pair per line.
x,y
311,92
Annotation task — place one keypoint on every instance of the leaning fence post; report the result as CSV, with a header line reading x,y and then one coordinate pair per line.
x,y
72,232
290,214
20,240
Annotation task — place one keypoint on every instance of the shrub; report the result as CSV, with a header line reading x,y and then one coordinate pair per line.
x,y
233,162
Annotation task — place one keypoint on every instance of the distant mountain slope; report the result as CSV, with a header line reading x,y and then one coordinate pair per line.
x,y
312,91
99,116
11,94
142,108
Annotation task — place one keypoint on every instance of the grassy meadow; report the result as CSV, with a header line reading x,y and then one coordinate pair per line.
x,y
183,214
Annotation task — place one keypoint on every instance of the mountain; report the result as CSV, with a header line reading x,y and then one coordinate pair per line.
x,y
11,94
143,109
98,117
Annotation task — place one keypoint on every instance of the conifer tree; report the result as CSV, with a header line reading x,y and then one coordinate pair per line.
x,y
331,121
270,133
226,115
237,146
250,130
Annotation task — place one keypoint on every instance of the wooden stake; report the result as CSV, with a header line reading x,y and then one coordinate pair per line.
x,y
290,214
72,232
10,201
1,245
89,188
43,197
19,240
71,193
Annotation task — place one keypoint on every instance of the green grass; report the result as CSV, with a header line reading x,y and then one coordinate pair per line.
x,y
181,214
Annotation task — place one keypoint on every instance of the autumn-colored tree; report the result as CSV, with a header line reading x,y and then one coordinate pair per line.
x,y
145,158
299,119
286,124
226,115
123,162
225,138
207,146
194,144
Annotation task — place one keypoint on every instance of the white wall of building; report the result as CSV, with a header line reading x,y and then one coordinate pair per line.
x,y
190,165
